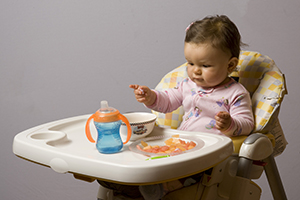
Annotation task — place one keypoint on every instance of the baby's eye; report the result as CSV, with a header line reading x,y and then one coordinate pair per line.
x,y
205,66
192,64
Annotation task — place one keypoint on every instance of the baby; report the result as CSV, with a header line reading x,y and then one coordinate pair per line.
x,y
213,102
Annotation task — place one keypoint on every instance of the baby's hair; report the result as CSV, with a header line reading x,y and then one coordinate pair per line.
x,y
219,31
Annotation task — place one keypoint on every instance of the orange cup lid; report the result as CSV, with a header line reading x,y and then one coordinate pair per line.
x,y
107,115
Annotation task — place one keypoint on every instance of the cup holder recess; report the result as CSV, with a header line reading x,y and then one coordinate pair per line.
x,y
48,135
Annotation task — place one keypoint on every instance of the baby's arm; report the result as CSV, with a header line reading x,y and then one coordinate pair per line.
x,y
144,95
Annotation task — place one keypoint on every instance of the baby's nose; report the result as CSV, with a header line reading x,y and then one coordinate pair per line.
x,y
198,70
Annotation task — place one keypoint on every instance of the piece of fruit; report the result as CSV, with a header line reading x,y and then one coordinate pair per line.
x,y
144,144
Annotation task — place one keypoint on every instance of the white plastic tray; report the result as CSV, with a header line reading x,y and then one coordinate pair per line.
x,y
63,146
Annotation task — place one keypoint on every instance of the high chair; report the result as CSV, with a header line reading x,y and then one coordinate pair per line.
x,y
232,179
228,166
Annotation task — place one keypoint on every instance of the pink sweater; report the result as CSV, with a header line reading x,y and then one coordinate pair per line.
x,y
201,105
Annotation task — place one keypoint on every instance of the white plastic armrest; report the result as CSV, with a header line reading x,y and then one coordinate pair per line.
x,y
256,147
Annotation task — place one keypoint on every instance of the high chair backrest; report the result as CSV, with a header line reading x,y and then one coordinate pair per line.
x,y
259,75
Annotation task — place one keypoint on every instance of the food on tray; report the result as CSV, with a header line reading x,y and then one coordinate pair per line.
x,y
172,145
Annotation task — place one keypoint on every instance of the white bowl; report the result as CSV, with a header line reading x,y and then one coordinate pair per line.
x,y
142,124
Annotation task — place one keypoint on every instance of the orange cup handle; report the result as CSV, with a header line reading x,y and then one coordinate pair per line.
x,y
87,129
125,120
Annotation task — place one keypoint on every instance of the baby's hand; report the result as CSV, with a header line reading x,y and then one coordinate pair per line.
x,y
223,121
143,94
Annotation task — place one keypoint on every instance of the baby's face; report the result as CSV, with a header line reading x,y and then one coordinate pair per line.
x,y
207,66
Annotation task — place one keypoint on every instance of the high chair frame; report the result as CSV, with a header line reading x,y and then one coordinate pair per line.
x,y
232,179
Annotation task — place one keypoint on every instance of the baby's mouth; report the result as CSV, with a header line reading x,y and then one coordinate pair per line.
x,y
199,79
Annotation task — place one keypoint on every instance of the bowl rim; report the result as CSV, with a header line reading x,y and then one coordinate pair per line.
x,y
141,123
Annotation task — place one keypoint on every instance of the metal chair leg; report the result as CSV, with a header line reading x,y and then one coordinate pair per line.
x,y
274,179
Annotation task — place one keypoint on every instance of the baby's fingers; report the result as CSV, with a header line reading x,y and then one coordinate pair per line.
x,y
223,115
137,89
223,120
134,86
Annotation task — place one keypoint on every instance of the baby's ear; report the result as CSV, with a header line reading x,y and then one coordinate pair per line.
x,y
232,63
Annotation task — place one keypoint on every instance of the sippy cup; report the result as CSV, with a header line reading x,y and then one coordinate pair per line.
x,y
107,121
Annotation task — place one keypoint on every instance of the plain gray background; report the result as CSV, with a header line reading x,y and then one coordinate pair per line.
x,y
59,59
